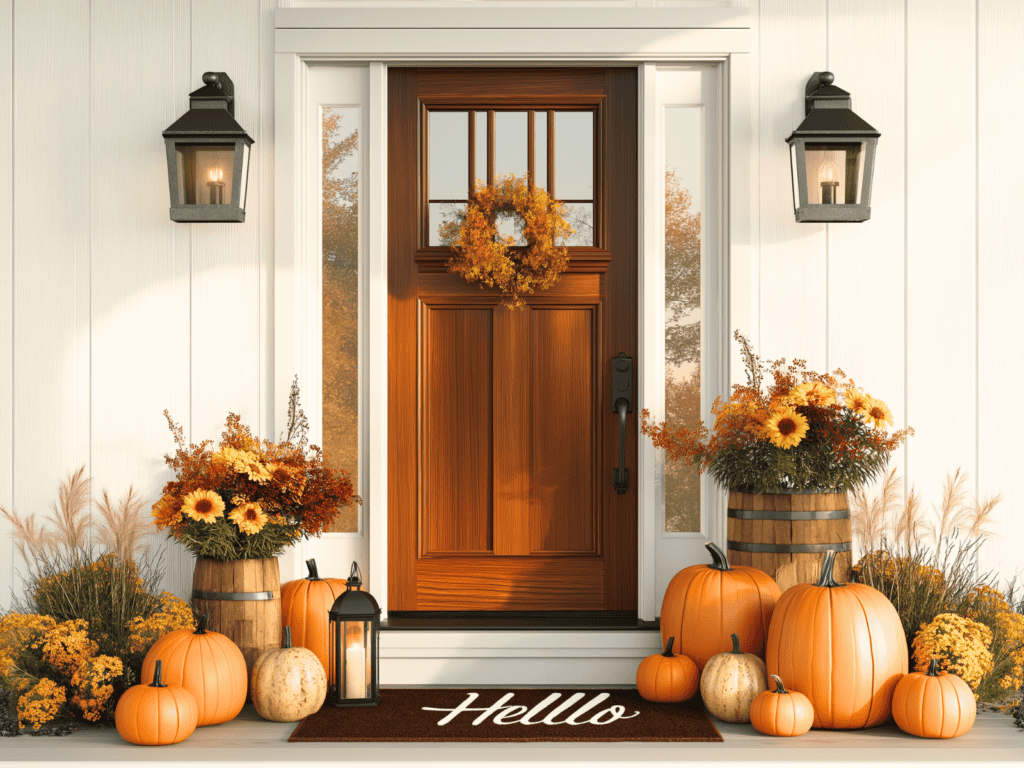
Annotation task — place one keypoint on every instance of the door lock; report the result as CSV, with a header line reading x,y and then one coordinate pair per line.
x,y
622,403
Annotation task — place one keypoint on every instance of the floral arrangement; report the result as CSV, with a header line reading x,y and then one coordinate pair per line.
x,y
480,255
77,640
928,568
250,499
803,431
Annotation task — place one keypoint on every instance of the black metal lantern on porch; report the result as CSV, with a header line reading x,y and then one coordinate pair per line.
x,y
832,154
208,156
355,627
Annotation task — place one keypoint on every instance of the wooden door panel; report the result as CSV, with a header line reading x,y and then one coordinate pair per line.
x,y
563,512
455,442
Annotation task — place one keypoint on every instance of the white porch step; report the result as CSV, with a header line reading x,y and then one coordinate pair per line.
x,y
514,657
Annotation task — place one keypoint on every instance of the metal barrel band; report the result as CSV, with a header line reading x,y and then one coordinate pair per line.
x,y
771,514
788,549
201,595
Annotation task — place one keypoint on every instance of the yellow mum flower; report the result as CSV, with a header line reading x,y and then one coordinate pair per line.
x,y
878,414
41,704
960,644
249,517
92,683
165,512
67,645
786,428
204,506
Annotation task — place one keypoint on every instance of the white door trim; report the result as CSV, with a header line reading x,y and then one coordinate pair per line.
x,y
378,36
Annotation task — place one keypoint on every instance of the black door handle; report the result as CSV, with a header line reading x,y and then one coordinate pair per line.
x,y
622,403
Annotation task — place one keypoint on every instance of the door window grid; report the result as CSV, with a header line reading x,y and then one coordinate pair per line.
x,y
493,146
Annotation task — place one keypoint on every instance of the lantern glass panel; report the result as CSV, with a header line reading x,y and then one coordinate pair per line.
x,y
835,173
356,661
205,174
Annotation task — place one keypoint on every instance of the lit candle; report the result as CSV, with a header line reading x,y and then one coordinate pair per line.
x,y
829,186
355,672
216,186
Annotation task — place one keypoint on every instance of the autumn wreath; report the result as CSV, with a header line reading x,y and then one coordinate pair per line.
x,y
481,255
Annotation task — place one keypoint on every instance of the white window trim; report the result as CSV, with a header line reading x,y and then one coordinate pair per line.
x,y
379,36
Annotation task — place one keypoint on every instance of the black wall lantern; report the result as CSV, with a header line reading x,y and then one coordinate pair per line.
x,y
208,156
832,154
355,627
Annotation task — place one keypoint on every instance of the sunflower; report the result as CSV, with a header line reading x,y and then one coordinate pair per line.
x,y
204,506
249,517
786,428
812,393
166,512
878,414
857,401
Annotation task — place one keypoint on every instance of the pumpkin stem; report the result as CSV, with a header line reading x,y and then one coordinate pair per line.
x,y
827,579
287,638
720,561
156,676
668,648
735,644
202,621
933,668
779,687
313,575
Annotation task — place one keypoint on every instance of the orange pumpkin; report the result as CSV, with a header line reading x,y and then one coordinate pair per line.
x,y
666,677
208,664
305,604
704,604
842,646
156,714
781,712
933,704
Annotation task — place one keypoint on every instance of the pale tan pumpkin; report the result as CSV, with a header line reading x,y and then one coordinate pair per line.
x,y
730,683
288,683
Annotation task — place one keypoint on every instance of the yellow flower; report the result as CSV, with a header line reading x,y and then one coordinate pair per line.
x,y
165,512
960,645
878,414
67,645
92,683
204,506
173,614
812,393
243,462
857,401
786,428
41,704
249,517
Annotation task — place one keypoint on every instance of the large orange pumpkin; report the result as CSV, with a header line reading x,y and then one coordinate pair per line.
x,y
156,714
840,645
305,604
933,705
666,677
208,665
705,604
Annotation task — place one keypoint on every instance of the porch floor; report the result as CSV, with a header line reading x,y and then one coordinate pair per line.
x,y
249,738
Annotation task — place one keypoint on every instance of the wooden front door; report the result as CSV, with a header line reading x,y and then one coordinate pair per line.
x,y
502,438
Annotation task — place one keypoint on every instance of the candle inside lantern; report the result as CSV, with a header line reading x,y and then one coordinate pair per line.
x,y
355,672
216,185
829,185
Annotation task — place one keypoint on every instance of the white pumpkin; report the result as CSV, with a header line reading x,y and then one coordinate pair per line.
x,y
730,683
288,683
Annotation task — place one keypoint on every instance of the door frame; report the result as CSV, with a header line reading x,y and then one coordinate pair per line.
x,y
375,37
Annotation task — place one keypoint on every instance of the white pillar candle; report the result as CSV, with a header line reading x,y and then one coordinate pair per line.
x,y
355,672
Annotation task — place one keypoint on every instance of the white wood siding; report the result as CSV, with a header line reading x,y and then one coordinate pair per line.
x,y
111,313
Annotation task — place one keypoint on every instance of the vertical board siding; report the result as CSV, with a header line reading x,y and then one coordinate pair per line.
x,y
137,361
6,293
226,257
792,44
941,238
51,177
1000,278
866,292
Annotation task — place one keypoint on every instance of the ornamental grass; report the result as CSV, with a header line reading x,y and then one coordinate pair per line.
x,y
787,430
927,565
250,499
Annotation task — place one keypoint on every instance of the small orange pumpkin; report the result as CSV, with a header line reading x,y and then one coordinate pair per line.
x,y
781,712
666,677
305,604
933,704
208,664
156,714
829,638
702,600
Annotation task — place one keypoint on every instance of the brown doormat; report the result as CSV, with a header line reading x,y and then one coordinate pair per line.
x,y
520,714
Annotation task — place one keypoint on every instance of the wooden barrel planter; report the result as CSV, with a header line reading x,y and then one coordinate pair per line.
x,y
786,535
244,597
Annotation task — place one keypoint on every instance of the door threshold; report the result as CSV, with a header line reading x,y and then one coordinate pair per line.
x,y
515,620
